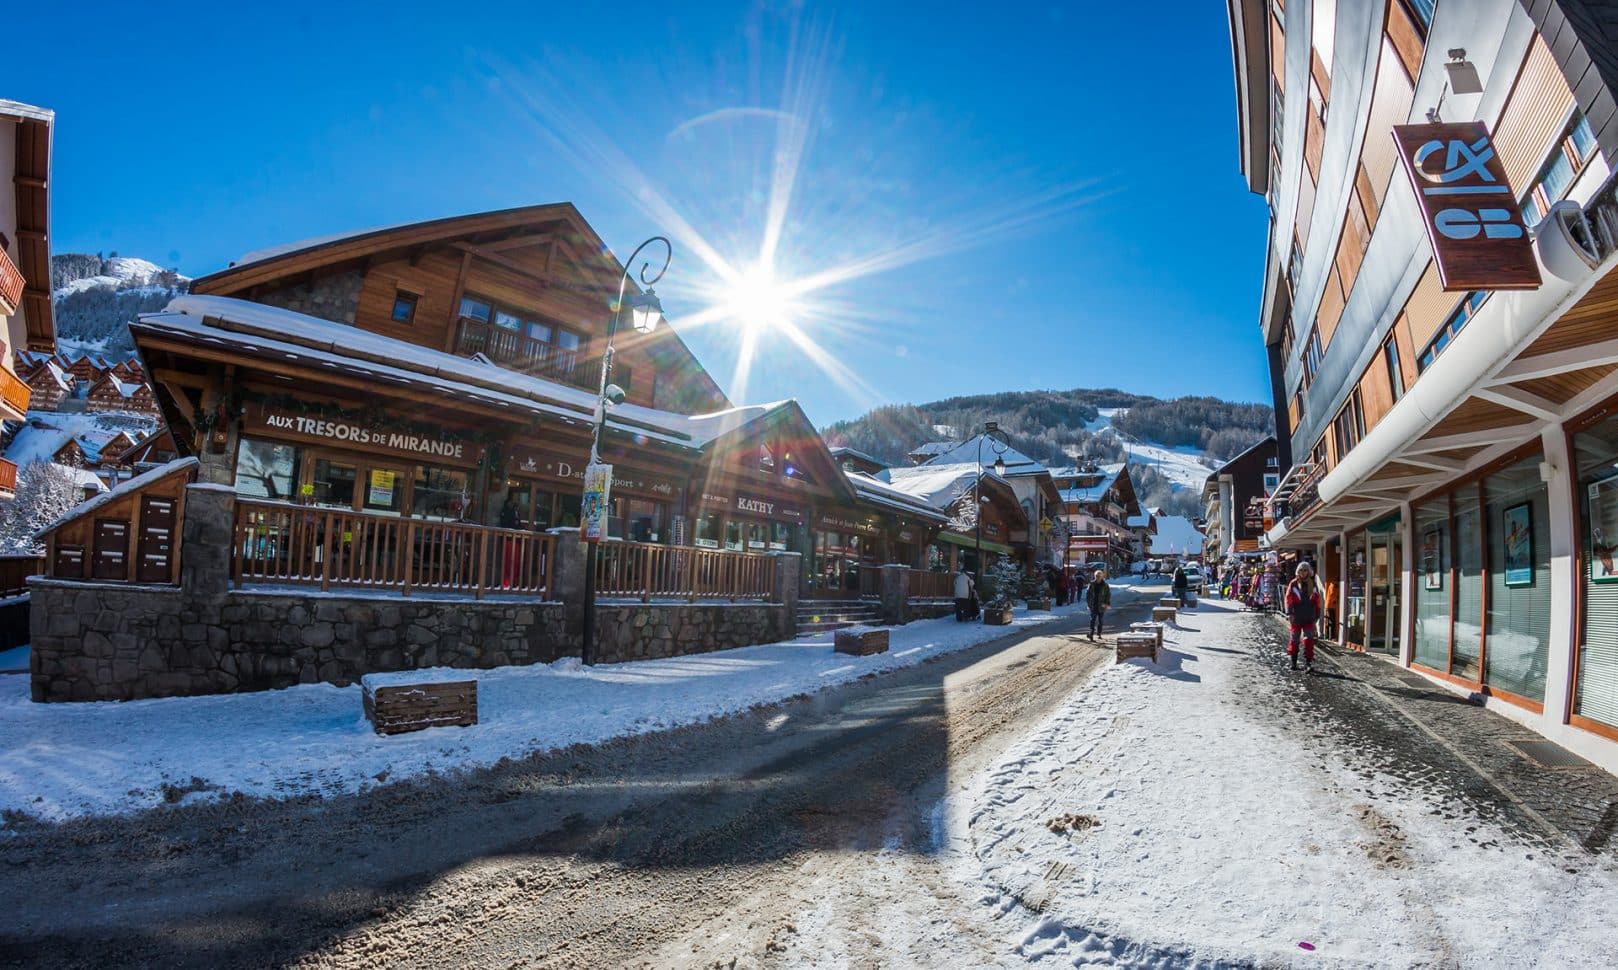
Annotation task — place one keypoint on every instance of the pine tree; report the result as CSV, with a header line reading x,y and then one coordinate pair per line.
x,y
45,492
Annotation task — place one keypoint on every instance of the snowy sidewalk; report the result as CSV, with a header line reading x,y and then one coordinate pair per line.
x,y
1197,813
58,761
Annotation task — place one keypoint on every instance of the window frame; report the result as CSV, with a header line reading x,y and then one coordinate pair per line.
x,y
401,296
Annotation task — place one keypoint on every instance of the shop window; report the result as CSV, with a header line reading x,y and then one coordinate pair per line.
x,y
733,536
267,470
441,493
706,531
645,520
518,512
780,536
1517,636
384,490
1452,327
333,483
617,523
1390,357
1467,652
404,307
1433,584
569,509
1595,693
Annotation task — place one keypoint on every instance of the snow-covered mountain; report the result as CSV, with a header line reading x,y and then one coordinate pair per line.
x,y
1186,467
95,297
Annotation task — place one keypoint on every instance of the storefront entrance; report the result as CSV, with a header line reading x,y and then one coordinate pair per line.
x,y
1386,575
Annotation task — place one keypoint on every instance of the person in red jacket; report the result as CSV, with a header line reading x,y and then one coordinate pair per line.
x,y
1304,606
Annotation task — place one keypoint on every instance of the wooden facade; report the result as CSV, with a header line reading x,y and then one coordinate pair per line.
x,y
130,535
113,393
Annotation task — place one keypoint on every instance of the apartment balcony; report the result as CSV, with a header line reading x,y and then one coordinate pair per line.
x,y
11,284
8,479
14,394
537,358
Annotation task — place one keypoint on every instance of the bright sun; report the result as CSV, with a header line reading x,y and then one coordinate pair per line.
x,y
758,301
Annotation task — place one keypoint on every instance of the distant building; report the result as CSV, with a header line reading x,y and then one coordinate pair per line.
x,y
114,393
1097,503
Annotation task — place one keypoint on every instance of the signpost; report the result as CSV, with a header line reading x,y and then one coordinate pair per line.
x,y
597,489
1473,221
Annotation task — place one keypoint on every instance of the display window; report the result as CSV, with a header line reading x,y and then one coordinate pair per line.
x,y
268,470
706,531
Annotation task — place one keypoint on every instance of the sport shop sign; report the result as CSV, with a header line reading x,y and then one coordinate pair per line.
x,y
344,432
1473,221
545,464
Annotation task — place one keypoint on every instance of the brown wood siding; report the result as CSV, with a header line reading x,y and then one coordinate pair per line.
x,y
1427,307
1351,247
1589,321
1314,139
1390,105
1406,38
1322,77
1370,202
1407,351
1331,309
1278,54
1376,393
1563,388
1534,116
431,280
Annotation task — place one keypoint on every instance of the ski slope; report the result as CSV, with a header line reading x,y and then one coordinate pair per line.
x,y
1184,467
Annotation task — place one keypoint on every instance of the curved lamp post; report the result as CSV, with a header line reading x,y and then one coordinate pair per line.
x,y
1002,444
646,312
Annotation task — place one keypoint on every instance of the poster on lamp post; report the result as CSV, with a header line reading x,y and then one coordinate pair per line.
x,y
597,485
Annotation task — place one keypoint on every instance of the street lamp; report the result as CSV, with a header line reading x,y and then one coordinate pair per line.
x,y
1002,443
645,312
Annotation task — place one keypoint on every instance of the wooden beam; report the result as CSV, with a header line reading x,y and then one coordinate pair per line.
x,y
1558,362
1432,461
179,378
505,262
455,303
518,242
1468,439
1520,400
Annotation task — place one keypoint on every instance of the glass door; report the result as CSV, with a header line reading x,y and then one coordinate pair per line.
x,y
1386,576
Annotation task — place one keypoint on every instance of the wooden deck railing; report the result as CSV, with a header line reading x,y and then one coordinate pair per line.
x,y
644,571
927,585
11,282
870,582
14,573
279,543
523,353
8,476
13,391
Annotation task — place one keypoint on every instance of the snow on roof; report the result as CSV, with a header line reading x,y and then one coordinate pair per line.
x,y
842,450
967,452
271,252
882,493
934,447
938,485
1108,476
124,388
45,432
124,488
337,345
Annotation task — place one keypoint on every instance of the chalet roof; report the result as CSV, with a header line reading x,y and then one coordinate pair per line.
x,y
966,453
844,451
1106,476
272,333
1257,446
55,373
940,486
931,449
874,490
125,389
150,438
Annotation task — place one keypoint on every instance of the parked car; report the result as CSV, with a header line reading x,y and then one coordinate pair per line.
x,y
1193,579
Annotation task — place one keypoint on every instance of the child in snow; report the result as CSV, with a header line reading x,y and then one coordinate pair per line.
x,y
1303,606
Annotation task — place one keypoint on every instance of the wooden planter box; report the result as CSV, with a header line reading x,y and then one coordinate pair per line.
x,y
1155,629
399,708
1044,604
1136,645
997,616
1173,601
1163,614
860,643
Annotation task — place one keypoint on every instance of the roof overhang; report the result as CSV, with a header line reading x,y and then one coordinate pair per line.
x,y
1250,56
31,186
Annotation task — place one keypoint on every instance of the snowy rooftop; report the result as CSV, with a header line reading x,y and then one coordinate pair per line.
x,y
882,493
45,432
938,485
1105,477
285,333
967,453
124,488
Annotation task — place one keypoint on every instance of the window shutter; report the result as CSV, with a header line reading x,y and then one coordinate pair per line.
x,y
1390,105
1427,308
1534,117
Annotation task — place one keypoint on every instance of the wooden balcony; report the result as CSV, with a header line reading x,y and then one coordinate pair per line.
x,y
11,284
517,351
14,392
8,478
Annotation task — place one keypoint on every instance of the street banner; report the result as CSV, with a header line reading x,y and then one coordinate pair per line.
x,y
1472,216
597,485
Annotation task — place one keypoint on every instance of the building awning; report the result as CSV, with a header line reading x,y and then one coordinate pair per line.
x,y
971,542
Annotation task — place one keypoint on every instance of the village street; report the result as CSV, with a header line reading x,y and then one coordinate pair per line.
x,y
1021,800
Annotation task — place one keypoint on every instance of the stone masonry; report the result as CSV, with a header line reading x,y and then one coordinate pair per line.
x,y
116,641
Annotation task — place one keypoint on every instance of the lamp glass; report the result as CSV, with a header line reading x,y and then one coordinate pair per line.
x,y
1000,467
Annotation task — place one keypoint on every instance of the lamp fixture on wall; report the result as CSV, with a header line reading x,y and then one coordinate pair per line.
x,y
1463,74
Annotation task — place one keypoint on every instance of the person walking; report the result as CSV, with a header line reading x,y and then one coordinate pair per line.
x,y
1181,583
966,596
1098,597
1303,606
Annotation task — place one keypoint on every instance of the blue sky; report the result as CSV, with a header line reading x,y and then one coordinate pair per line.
x,y
1038,199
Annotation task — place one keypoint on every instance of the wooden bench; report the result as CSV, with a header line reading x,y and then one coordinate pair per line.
x,y
1132,644
1173,601
860,641
395,705
1163,614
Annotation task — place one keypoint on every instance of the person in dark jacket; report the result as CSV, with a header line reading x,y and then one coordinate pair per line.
x,y
1098,597
1181,583
1304,606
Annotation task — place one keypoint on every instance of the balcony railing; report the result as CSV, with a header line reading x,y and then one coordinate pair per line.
x,y
11,284
870,582
13,391
647,571
516,350
8,477
280,543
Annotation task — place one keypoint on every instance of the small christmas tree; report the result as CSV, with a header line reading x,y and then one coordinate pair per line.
x,y
1002,582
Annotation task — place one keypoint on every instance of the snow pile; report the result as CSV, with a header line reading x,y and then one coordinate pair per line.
x,y
1165,817
65,760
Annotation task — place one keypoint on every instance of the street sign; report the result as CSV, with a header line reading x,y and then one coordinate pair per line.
x,y
597,489
1473,221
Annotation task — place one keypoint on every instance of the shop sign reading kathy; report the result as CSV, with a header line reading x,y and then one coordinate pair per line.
x,y
1473,221
593,517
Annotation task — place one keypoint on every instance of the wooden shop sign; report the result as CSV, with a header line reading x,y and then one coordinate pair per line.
x,y
554,465
344,431
841,523
1473,221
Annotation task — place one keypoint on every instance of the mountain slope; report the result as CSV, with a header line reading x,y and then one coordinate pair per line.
x,y
1171,446
96,296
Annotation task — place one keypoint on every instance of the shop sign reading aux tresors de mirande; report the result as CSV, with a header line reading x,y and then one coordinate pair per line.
x,y
347,432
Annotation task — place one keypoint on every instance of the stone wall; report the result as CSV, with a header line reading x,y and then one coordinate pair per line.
x,y
334,296
117,641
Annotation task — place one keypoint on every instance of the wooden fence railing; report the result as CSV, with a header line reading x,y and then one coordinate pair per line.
x,y
870,582
279,543
14,573
645,571
928,585
8,476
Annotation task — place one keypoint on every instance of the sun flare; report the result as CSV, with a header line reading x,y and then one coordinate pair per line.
x,y
758,301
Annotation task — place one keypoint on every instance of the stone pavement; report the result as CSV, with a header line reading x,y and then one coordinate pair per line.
x,y
1394,720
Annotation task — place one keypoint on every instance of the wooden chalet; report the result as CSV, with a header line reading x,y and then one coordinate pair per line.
x,y
954,490
115,393
1098,502
155,449
447,371
48,385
